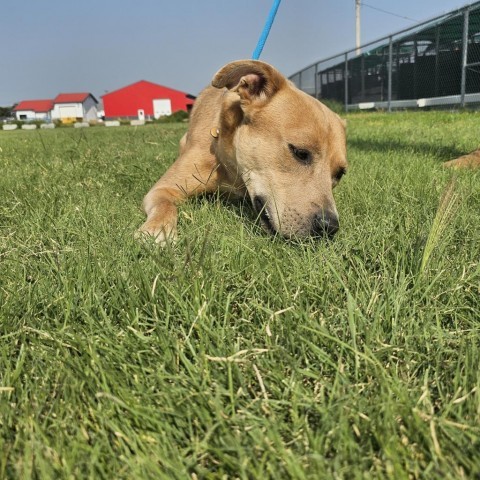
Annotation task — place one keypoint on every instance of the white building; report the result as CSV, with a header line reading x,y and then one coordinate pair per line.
x,y
30,110
74,106
66,107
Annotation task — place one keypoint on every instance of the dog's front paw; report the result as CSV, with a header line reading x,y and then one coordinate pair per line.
x,y
162,233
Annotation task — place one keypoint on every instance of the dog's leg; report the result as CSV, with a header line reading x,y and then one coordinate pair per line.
x,y
189,175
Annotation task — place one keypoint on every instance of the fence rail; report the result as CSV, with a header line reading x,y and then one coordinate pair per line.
x,y
434,63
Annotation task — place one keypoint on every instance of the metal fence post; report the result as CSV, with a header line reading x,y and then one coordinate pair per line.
x,y
346,82
362,81
415,68
464,57
390,69
315,79
437,59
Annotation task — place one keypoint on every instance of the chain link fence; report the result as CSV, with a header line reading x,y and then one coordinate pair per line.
x,y
433,64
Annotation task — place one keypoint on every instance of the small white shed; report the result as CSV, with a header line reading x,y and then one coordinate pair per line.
x,y
74,107
31,110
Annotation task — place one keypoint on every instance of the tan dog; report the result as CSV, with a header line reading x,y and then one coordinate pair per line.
x,y
471,160
253,132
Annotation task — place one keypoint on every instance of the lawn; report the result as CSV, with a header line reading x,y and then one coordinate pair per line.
x,y
233,354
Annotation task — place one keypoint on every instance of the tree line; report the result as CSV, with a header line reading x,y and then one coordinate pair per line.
x,y
6,111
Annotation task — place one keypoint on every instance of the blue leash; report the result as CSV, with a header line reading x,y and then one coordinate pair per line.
x,y
266,30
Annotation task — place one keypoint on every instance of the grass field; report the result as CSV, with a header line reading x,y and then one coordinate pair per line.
x,y
233,354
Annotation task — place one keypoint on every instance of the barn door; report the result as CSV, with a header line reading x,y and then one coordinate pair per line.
x,y
162,107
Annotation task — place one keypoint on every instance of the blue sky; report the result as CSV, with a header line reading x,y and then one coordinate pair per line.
x,y
54,46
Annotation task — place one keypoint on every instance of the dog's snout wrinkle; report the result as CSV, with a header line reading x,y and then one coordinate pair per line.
x,y
325,223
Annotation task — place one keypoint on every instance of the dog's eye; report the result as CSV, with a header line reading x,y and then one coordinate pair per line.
x,y
339,174
300,154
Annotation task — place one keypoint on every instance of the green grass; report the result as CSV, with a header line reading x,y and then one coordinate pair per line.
x,y
233,354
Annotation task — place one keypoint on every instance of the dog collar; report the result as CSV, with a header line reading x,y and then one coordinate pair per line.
x,y
214,132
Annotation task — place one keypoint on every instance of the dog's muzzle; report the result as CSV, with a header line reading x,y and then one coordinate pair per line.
x,y
323,224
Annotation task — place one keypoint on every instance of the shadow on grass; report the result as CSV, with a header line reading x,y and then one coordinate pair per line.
x,y
443,153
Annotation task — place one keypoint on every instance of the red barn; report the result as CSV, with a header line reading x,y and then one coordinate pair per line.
x,y
145,100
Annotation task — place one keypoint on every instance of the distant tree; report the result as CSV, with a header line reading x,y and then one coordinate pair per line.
x,y
6,111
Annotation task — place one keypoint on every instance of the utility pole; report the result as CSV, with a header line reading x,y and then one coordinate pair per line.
x,y
357,27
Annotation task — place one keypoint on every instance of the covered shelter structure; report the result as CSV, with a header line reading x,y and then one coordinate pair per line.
x,y
434,63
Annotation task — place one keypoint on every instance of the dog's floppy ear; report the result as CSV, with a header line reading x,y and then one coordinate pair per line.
x,y
251,79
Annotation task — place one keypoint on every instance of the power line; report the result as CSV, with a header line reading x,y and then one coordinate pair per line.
x,y
388,13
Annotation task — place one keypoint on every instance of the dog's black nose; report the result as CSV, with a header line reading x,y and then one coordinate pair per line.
x,y
325,223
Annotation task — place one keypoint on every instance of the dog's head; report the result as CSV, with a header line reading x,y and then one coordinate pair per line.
x,y
288,148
